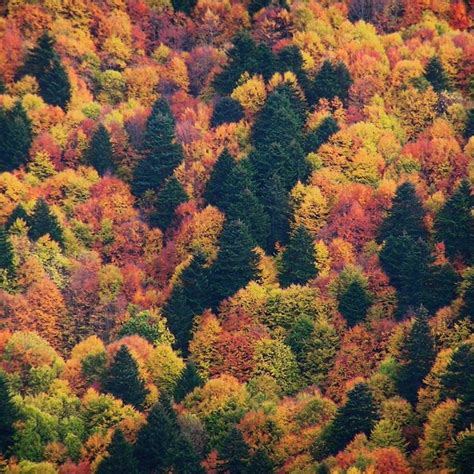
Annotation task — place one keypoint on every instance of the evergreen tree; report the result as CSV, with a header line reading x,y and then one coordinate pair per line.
x,y
354,303
416,358
17,213
464,454
357,415
120,459
217,183
256,5
436,75
44,63
260,463
123,379
226,110
467,293
332,80
8,416
6,253
236,262
185,458
100,153
162,153
15,137
234,453
454,224
43,222
469,127
187,382
321,134
440,287
298,263
185,6
171,195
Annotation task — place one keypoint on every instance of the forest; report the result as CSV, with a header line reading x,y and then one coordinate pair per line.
x,y
236,237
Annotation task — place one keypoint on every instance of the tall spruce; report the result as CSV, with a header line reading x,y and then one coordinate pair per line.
x,y
100,153
463,454
226,110
216,185
321,134
187,382
17,213
120,459
6,253
43,222
332,80
234,452
298,262
469,125
440,287
436,75
467,293
260,462
123,379
170,196
8,417
185,6
354,302
161,152
44,63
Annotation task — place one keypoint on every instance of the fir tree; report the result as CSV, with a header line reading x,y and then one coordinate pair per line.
x,y
467,293
171,195
226,110
185,458
298,263
6,253
43,222
469,126
454,224
260,463
17,213
464,454
234,453
416,358
436,75
187,382
185,6
120,459
217,183
332,80
8,416
321,134
256,5
100,152
162,153
44,63
354,303
15,137
440,287
123,379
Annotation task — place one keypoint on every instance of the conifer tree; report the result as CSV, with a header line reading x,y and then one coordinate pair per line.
x,y
463,454
100,152
454,224
216,185
354,303
8,416
234,452
332,80
123,379
416,358
43,222
187,382
171,195
440,287
17,213
260,462
298,263
469,126
161,152
321,134
15,137
185,458
436,75
226,110
120,459
44,63
467,293
6,253
185,6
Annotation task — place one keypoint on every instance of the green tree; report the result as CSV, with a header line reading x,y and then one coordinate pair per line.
x,y
123,379
185,6
354,303
161,152
260,462
170,196
17,213
43,222
298,262
15,137
440,287
216,185
469,126
185,458
436,75
416,358
99,154
226,110
8,416
467,293
454,224
6,253
321,134
234,452
44,63
332,80
120,459
463,454
187,382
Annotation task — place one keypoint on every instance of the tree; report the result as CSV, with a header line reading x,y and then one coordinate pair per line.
x,y
469,127
170,196
185,458
188,381
332,80
260,462
123,379
321,134
15,137
298,262
44,63
43,222
462,456
416,358
8,416
185,6
436,75
467,293
6,253
440,287
215,187
354,303
100,153
454,224
234,452
17,213
120,459
161,152
226,110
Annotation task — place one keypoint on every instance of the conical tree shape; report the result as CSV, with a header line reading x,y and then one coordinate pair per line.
x,y
162,153
354,303
185,6
234,452
261,463
469,127
416,358
321,134
120,459
187,382
171,195
8,416
6,253
44,63
217,183
227,110
440,287
185,458
436,75
467,308
332,80
43,222
463,454
454,224
100,152
17,213
123,379
298,263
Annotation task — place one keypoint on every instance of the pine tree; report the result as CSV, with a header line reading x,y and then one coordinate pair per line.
x,y
44,63
43,222
226,110
234,452
187,382
440,287
454,224
17,213
185,6
120,459
464,454
260,463
236,262
436,75
354,303
8,416
469,126
298,263
171,195
15,137
162,153
416,358
321,134
216,185
467,293
100,152
332,80
185,458
6,253
123,379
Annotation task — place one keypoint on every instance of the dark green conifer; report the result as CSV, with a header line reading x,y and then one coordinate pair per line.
x,y
463,454
321,134
185,6
332,80
436,75
216,185
260,462
100,153
17,213
469,127
185,458
226,110
440,287
467,293
43,222
187,382
171,195
234,452
8,416
120,459
354,303
6,253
